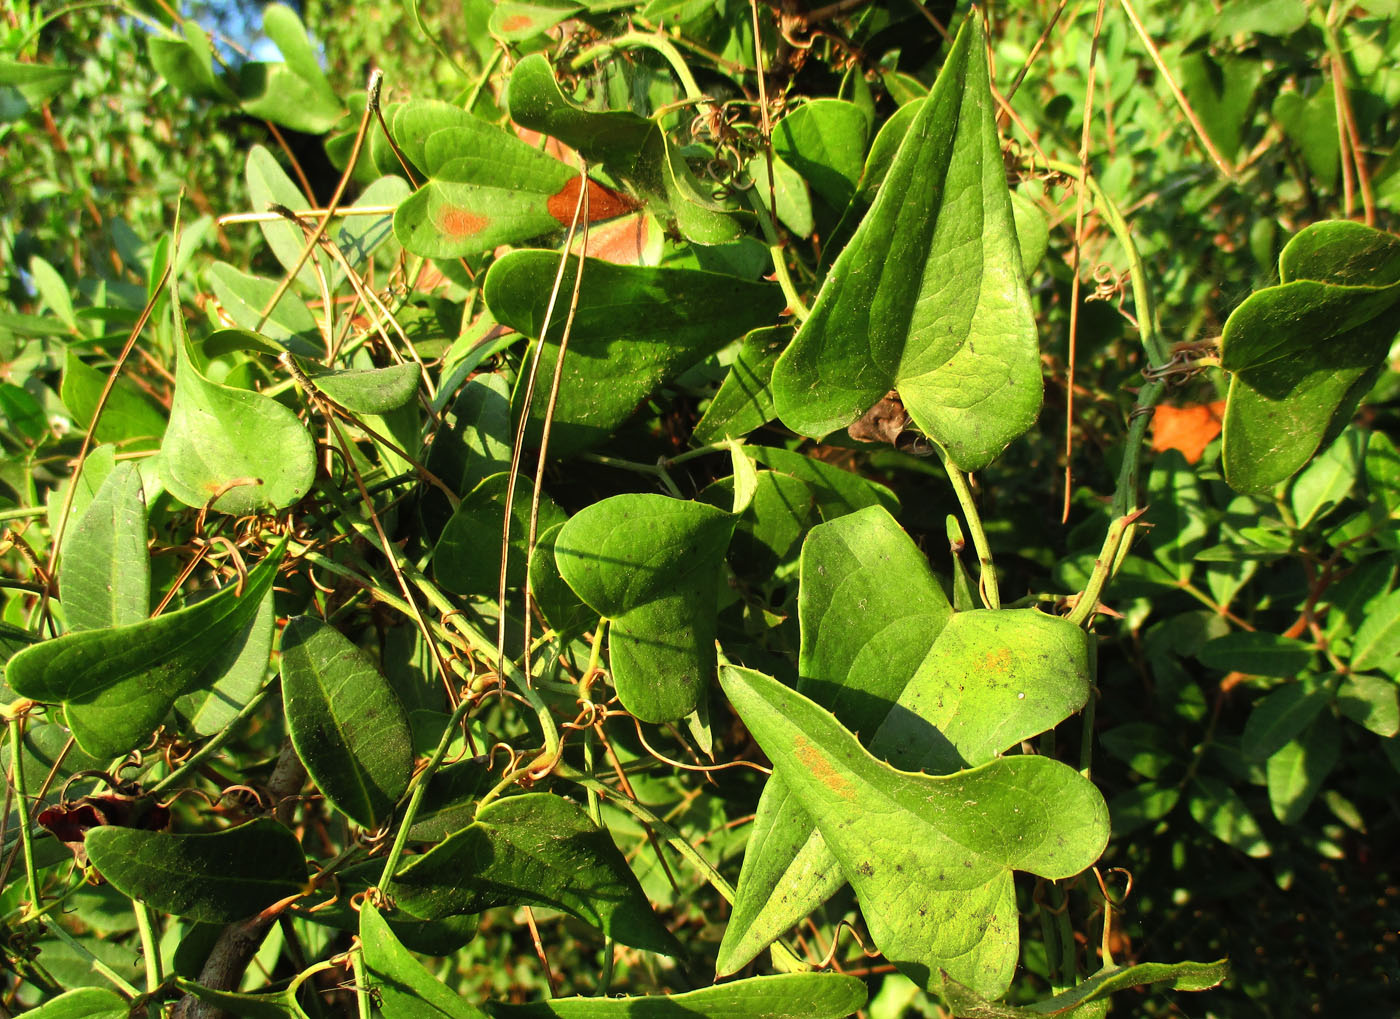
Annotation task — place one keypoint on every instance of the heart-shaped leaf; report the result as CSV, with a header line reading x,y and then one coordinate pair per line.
x,y
635,329
219,878
864,633
236,450
1304,352
930,857
824,140
782,996
651,564
346,723
106,571
467,559
929,298
402,987
539,849
117,684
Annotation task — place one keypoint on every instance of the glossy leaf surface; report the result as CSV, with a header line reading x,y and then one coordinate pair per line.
x,y
930,857
117,684
1303,353
236,450
219,878
538,849
929,297
651,564
784,996
346,723
635,328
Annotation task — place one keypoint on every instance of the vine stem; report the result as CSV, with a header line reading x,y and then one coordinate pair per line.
x,y
97,964
987,574
644,40
150,947
31,873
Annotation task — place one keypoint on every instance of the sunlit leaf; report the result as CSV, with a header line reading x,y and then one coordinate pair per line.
x,y
106,571
402,987
783,996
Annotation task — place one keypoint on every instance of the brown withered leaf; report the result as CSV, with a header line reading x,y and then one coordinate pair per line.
x,y
882,422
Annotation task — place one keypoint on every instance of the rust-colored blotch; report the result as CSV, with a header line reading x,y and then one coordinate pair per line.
x,y
515,23
603,202
457,222
1188,429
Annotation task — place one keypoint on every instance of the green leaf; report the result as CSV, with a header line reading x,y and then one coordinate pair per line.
x,y
789,191
824,140
611,137
1219,810
838,491
129,416
1177,514
273,1005
1302,353
744,401
782,996
929,297
652,565
284,28
1177,976
368,390
486,188
1377,642
1310,122
1296,771
37,83
117,684
235,675
1280,716
869,609
345,721
83,1003
518,20
106,571
1371,701
1328,479
1257,654
269,184
219,878
400,984
53,291
467,559
188,64
538,849
23,414
930,857
237,451
244,297
634,329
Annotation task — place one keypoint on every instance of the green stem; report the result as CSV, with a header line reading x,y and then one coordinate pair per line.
x,y
643,40
362,1003
97,965
779,256
987,574
31,873
214,744
20,512
150,946
656,470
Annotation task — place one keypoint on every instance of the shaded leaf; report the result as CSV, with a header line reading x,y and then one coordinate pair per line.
x,y
402,987
651,564
1371,701
1219,810
1257,654
271,1005
219,878
117,684
368,390
1296,771
348,727
1177,976
929,297
1281,715
1377,642
84,1003
539,849
269,184
1302,353
467,559
824,140
635,329
129,417
744,401
243,298
930,857
235,675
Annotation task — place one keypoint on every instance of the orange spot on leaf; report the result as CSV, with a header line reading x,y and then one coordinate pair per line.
x,y
457,222
515,23
1187,429
821,769
603,202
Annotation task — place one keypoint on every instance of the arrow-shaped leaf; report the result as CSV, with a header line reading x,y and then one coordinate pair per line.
x,y
929,298
117,684
219,878
930,857
534,848
651,564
